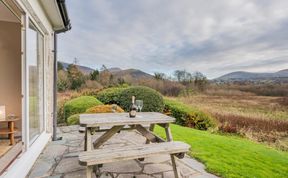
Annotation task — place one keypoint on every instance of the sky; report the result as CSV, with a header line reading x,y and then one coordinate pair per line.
x,y
214,37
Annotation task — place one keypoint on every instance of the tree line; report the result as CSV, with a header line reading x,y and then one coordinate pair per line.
x,y
71,78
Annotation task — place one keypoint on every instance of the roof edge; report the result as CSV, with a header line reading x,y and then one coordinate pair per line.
x,y
64,15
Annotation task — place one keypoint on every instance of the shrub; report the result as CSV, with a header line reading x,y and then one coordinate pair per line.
x,y
73,120
79,105
104,109
110,95
188,116
92,84
60,111
75,76
62,81
250,123
153,101
90,92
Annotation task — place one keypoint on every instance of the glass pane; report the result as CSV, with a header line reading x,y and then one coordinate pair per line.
x,y
35,72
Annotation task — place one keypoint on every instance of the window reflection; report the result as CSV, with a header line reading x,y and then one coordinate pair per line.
x,y
35,71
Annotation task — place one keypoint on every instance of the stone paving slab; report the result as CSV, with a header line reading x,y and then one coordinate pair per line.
x,y
60,159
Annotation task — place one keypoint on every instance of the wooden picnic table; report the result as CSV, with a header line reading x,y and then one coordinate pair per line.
x,y
119,121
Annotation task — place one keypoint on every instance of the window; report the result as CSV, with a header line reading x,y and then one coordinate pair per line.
x,y
35,61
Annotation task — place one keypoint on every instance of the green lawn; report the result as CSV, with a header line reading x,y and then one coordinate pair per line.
x,y
231,156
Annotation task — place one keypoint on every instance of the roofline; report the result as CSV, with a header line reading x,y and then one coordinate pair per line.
x,y
64,15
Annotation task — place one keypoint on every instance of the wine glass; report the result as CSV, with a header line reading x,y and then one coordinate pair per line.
x,y
139,104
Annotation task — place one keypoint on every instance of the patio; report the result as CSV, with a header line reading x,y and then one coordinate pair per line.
x,y
60,159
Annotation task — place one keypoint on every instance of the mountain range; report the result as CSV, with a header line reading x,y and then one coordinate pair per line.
x,y
85,70
233,76
117,72
246,76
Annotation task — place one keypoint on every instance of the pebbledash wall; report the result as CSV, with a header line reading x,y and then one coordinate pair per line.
x,y
31,10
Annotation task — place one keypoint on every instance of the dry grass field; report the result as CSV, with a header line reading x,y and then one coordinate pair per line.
x,y
262,107
260,118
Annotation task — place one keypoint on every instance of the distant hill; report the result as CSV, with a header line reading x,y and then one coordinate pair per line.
x,y
117,72
130,73
85,70
114,69
246,76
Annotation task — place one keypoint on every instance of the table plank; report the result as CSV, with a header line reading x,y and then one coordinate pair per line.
x,y
10,119
117,119
106,155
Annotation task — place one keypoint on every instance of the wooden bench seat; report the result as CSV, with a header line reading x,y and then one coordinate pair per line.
x,y
108,155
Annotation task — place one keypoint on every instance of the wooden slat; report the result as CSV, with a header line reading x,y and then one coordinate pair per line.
x,y
148,134
107,155
116,119
10,120
106,136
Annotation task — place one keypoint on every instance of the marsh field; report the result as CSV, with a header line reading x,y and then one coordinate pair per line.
x,y
259,118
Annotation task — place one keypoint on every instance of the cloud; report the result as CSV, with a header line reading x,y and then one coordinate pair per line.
x,y
213,36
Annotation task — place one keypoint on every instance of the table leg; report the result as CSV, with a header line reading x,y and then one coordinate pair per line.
x,y
11,134
88,139
106,136
151,128
148,134
168,133
89,171
173,161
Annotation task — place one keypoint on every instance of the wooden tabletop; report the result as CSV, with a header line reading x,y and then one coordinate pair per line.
x,y
117,119
10,119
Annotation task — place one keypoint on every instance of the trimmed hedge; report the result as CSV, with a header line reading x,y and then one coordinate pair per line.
x,y
103,109
79,105
152,100
110,95
73,120
188,116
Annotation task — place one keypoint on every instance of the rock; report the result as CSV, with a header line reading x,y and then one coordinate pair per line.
x,y
156,168
77,174
41,168
68,165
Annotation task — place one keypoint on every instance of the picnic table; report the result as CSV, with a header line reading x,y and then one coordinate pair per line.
x,y
112,123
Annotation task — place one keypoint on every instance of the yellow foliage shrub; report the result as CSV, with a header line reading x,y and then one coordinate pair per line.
x,y
104,109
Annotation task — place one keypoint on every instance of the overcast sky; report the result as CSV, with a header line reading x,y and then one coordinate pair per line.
x,y
211,36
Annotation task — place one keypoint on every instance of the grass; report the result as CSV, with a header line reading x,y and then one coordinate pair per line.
x,y
231,156
264,107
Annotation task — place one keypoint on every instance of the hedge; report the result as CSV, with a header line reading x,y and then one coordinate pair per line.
x,y
74,119
187,115
110,95
80,105
152,100
104,109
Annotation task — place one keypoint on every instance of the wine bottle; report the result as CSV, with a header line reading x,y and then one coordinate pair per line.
x,y
133,108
